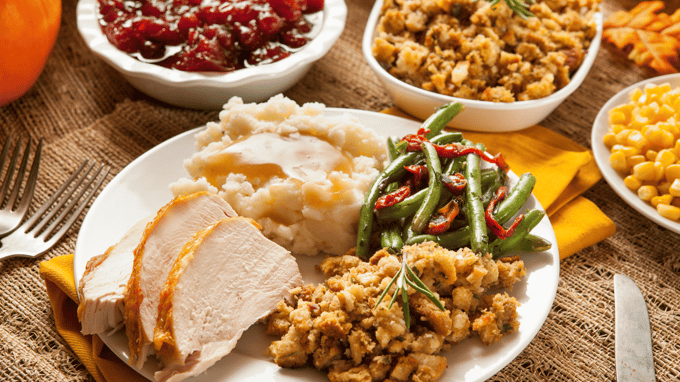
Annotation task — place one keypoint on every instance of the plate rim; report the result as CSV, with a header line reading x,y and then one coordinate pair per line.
x,y
602,153
490,370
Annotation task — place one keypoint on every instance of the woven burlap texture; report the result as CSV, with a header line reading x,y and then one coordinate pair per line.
x,y
84,109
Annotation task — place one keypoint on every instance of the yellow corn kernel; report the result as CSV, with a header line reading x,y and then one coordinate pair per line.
x,y
626,150
666,157
632,182
663,188
661,199
676,148
674,102
609,140
674,189
651,155
632,160
618,162
668,211
622,136
617,128
644,171
635,95
665,112
672,172
671,127
646,193
626,109
650,111
636,139
659,171
639,122
666,140
617,117
653,134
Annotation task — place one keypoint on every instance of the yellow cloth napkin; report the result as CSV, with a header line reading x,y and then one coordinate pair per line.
x,y
563,170
97,358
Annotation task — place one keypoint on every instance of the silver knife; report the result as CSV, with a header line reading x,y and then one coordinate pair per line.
x,y
634,360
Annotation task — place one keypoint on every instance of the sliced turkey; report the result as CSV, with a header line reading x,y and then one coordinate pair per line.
x,y
225,279
158,248
102,287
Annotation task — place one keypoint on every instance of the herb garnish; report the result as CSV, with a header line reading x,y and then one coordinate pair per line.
x,y
520,7
405,276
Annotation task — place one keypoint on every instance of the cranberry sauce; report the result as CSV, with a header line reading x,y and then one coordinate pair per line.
x,y
208,35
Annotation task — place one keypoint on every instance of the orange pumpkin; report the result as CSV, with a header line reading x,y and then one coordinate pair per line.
x,y
28,29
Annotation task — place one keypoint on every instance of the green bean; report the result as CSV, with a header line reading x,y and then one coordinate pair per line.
x,y
406,207
492,176
533,243
443,115
394,170
531,219
516,198
434,189
392,151
390,238
479,238
450,240
421,239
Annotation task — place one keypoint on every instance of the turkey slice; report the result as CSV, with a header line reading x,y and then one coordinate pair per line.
x,y
226,278
160,245
102,287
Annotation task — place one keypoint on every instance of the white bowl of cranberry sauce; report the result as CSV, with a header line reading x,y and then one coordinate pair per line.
x,y
199,53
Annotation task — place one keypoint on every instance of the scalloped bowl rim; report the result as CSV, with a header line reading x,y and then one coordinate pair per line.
x,y
334,17
559,95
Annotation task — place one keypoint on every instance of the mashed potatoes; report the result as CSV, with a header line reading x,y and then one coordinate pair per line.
x,y
302,176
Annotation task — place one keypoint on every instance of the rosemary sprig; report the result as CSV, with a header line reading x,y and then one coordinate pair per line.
x,y
405,276
520,7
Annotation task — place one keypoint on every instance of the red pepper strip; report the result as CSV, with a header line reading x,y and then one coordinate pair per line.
x,y
491,222
441,222
415,141
454,150
419,172
393,198
455,183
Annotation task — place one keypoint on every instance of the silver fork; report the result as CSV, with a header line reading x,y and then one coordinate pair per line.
x,y
15,208
42,230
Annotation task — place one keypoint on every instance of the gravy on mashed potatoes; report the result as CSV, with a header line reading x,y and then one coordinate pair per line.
x,y
301,175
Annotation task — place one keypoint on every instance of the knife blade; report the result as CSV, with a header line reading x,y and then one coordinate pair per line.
x,y
634,359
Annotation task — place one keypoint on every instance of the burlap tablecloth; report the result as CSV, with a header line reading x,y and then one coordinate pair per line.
x,y
84,108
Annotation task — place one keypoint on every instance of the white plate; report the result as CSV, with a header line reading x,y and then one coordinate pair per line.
x,y
478,115
602,153
142,188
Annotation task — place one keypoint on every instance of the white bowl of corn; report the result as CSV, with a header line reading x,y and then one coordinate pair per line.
x,y
636,144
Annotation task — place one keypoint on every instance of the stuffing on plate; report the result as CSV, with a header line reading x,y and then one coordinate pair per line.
x,y
471,49
337,327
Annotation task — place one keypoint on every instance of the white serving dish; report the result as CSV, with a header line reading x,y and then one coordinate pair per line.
x,y
127,199
212,90
602,153
477,115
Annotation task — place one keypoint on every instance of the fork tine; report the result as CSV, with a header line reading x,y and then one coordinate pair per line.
x,y
20,176
10,170
30,223
30,183
47,230
57,207
62,231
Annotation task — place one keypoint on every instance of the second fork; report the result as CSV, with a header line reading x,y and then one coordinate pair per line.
x,y
15,196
